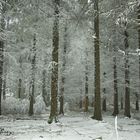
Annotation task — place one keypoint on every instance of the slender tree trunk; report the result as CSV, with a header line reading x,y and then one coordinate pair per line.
x,y
121,102
20,78
127,82
4,65
97,107
2,27
86,96
19,87
61,111
4,81
81,102
44,91
116,3
83,6
104,100
31,110
92,102
104,104
54,78
4,87
116,108
1,69
86,83
104,96
137,102
139,49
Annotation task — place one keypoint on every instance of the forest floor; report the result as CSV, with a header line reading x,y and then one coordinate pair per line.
x,y
75,126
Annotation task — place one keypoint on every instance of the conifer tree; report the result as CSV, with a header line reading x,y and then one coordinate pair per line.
x,y
54,77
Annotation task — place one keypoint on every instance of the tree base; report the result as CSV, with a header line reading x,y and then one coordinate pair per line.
x,y
95,118
115,114
51,119
126,115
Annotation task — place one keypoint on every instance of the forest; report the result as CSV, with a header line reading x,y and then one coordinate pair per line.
x,y
69,69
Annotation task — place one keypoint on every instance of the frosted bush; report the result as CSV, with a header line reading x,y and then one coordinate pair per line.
x,y
39,106
13,105
25,106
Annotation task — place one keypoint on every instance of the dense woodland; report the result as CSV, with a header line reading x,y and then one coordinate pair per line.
x,y
83,54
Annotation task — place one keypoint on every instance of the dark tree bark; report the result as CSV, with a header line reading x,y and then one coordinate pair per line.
x,y
20,78
104,97
4,80
4,87
86,83
2,27
104,104
1,69
97,107
62,89
33,64
92,102
4,76
116,108
54,78
19,87
137,102
116,3
121,102
127,82
86,96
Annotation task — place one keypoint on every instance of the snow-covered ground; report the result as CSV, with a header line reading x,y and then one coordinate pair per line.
x,y
70,127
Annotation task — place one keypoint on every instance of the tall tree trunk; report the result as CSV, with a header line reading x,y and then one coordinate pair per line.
x,y
127,82
104,97
54,77
116,108
61,111
83,4
116,3
20,78
81,101
44,91
1,69
33,64
4,65
104,103
97,107
2,27
139,46
86,83
121,102
4,80
19,87
137,101
4,87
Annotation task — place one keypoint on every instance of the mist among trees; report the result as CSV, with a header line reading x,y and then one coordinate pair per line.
x,y
59,57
